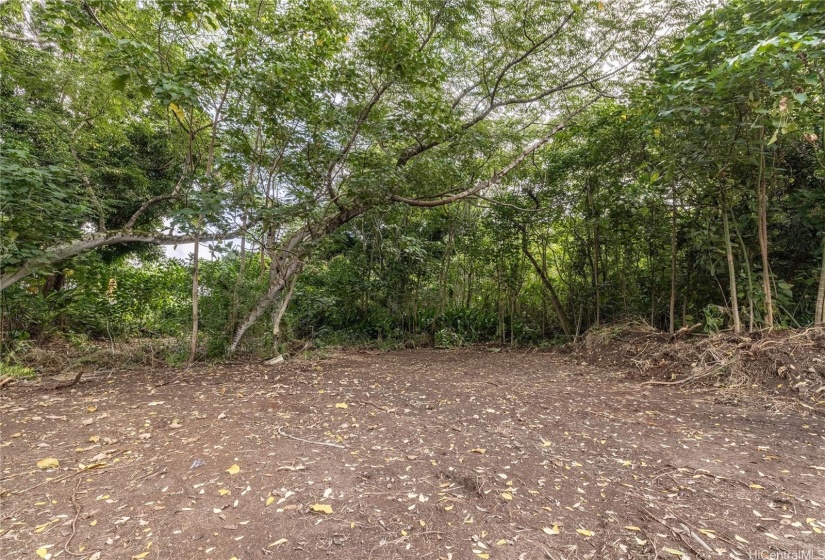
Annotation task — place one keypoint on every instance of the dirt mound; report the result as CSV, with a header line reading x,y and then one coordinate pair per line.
x,y
787,360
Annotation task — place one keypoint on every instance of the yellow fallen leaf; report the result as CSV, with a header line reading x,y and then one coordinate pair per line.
x,y
223,491
93,523
43,552
478,450
545,443
48,463
506,496
740,539
341,405
94,439
234,469
632,528
674,552
91,408
141,555
640,542
270,499
585,532
501,542
708,533
279,542
483,555
756,486
321,508
772,536
551,531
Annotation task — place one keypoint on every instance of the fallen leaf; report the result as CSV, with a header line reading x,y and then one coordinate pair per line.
x,y
321,508
341,405
279,542
234,469
479,450
91,408
632,528
740,539
48,463
708,533
506,496
756,486
43,552
551,531
585,532
674,552
141,555
224,492
270,499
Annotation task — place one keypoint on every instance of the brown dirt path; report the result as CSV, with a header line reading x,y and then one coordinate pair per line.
x,y
457,454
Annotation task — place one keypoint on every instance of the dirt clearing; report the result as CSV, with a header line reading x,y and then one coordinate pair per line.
x,y
417,454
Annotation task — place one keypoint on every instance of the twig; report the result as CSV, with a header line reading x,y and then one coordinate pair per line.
x,y
74,523
70,475
71,383
5,381
384,408
280,431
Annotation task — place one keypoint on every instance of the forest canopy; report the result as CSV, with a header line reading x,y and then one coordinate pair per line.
x,y
428,171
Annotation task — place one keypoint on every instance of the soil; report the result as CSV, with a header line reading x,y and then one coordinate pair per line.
x,y
455,454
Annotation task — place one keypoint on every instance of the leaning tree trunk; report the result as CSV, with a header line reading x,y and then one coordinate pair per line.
x,y
278,316
819,314
734,296
566,326
288,261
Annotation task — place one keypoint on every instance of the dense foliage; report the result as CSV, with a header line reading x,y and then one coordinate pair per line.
x,y
425,172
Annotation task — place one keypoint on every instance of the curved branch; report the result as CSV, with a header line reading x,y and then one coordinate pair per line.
x,y
499,175
101,239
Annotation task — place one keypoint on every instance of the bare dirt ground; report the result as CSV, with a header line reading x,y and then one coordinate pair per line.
x,y
457,454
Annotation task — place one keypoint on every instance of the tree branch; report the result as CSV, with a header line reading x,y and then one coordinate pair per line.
x,y
101,239
499,175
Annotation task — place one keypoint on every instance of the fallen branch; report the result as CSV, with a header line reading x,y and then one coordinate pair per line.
x,y
74,524
693,377
280,432
71,383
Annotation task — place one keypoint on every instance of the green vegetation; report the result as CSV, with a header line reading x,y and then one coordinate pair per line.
x,y
424,172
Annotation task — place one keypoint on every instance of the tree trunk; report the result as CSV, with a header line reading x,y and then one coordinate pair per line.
x,y
233,310
566,326
193,343
819,314
673,254
734,295
278,316
762,230
747,261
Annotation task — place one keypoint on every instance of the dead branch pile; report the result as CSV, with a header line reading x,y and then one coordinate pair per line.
x,y
789,359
